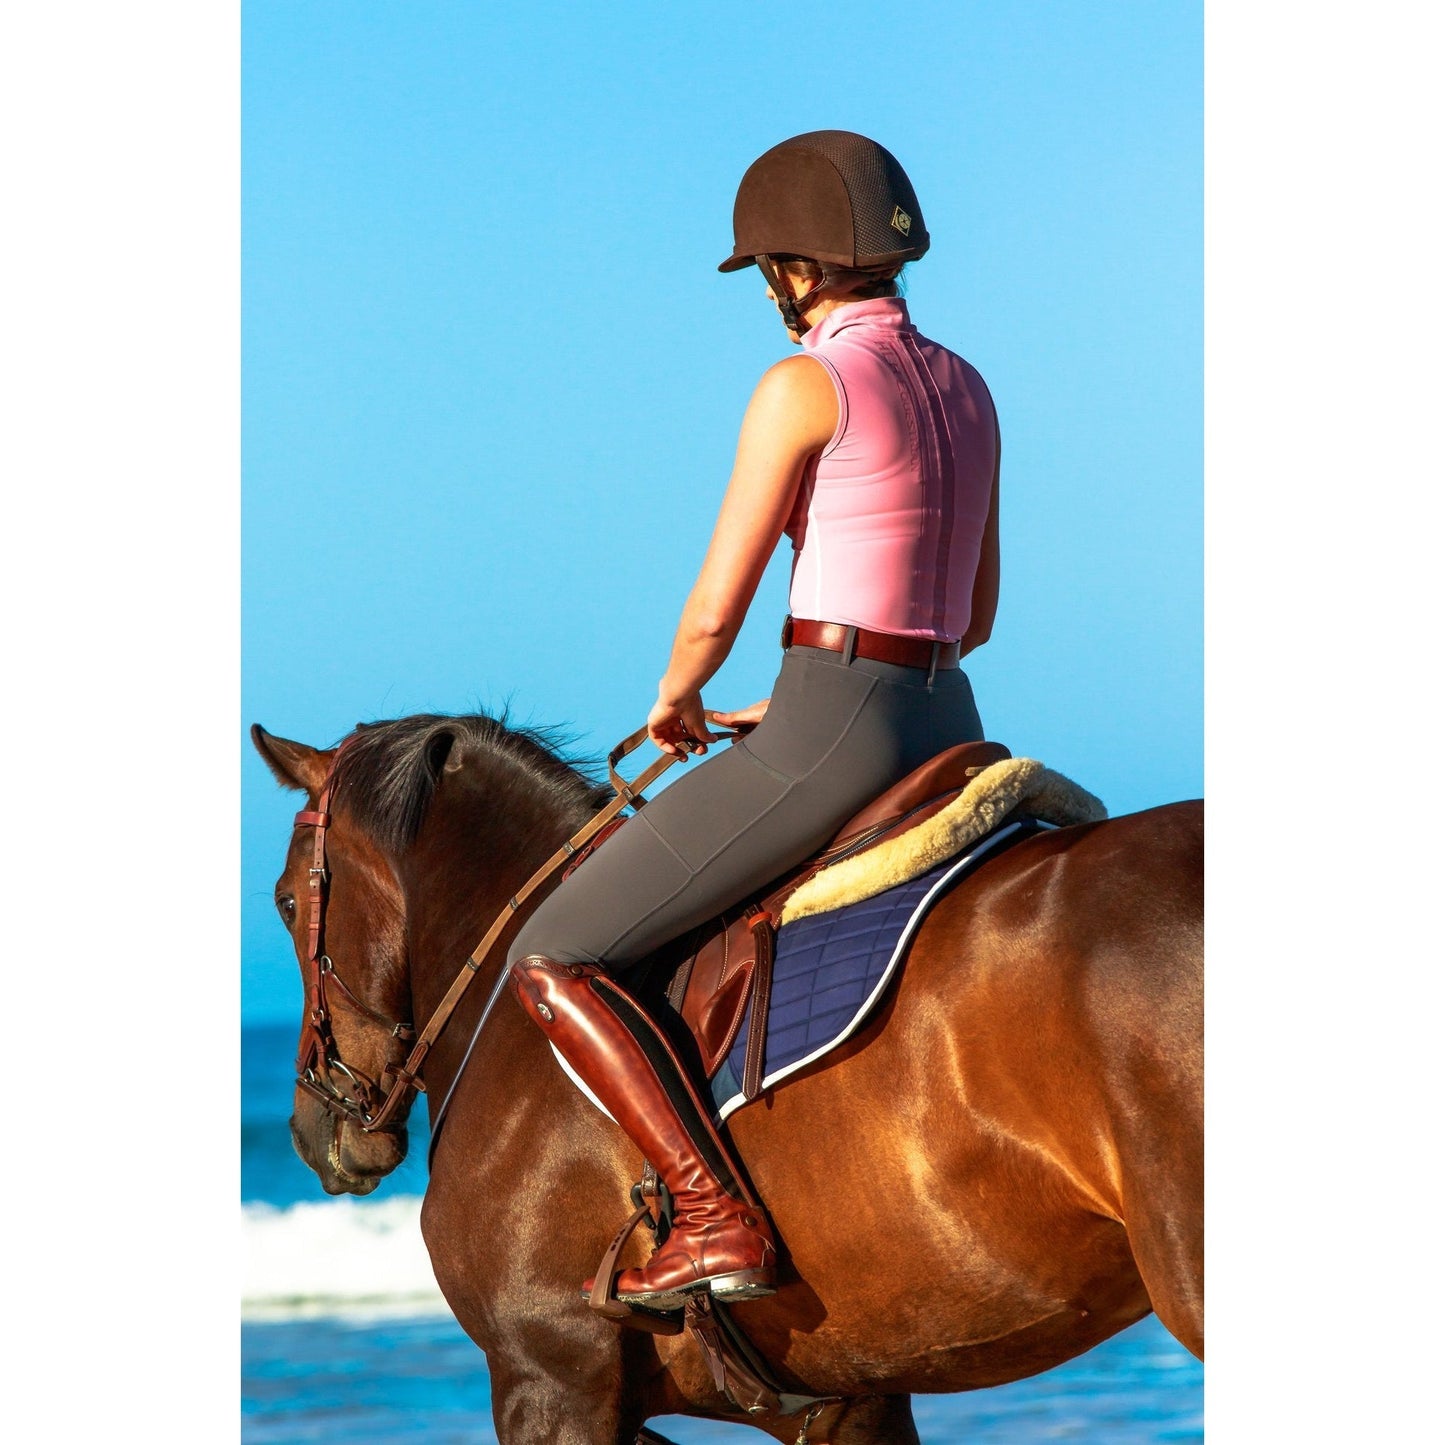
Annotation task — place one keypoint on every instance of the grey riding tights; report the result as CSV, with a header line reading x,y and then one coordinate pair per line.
x,y
833,738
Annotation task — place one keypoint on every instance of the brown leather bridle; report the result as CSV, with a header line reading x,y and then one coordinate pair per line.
x,y
374,1105
318,1064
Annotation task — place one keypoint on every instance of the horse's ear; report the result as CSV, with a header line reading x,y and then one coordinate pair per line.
x,y
443,755
294,765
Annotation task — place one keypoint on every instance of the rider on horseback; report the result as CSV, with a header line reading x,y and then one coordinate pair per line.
x,y
876,451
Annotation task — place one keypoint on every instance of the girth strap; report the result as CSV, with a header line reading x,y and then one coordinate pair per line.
x,y
762,984
737,1369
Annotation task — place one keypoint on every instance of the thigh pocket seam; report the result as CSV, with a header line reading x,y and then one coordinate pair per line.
x,y
791,778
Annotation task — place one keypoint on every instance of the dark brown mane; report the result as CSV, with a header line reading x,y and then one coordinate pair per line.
x,y
389,770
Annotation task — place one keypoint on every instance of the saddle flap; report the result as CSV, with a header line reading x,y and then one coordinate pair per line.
x,y
718,989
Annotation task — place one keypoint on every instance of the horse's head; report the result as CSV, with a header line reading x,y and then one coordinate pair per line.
x,y
360,971
431,823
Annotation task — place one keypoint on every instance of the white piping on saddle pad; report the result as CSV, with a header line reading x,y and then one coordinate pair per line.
x,y
915,919
996,791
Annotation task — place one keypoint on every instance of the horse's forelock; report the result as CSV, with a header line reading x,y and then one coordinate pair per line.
x,y
388,772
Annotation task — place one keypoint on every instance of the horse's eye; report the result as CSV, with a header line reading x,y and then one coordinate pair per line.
x,y
286,907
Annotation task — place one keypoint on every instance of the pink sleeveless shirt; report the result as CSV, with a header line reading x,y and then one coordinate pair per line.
x,y
889,520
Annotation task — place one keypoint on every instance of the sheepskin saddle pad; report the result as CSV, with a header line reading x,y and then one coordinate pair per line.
x,y
1013,785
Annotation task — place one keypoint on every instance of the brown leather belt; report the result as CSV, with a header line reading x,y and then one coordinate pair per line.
x,y
877,646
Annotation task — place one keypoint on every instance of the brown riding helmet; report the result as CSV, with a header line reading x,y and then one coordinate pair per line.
x,y
831,196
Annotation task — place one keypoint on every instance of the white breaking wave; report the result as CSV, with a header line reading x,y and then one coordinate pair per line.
x,y
337,1257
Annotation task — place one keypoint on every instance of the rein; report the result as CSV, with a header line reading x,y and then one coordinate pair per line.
x,y
373,1105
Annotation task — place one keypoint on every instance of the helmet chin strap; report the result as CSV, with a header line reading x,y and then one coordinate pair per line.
x,y
789,307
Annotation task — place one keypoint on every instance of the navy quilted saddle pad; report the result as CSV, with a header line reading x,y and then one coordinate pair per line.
x,y
831,970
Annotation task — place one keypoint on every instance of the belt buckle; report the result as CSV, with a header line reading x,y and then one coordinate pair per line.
x,y
787,632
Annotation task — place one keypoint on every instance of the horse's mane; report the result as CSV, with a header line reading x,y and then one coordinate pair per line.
x,y
389,770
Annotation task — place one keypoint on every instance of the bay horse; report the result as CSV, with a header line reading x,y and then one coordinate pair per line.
x,y
1001,1170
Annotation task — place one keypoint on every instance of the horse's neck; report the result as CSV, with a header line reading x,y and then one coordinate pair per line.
x,y
473,854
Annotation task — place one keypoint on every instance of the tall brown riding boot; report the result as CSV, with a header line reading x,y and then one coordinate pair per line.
x,y
720,1240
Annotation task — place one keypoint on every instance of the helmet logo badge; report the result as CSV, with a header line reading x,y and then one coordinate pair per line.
x,y
902,222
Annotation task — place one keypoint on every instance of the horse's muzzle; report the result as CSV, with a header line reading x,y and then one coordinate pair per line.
x,y
343,1157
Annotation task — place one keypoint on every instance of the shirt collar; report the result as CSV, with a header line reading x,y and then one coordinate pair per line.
x,y
888,312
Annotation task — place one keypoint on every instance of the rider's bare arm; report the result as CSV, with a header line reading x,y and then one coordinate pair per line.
x,y
792,414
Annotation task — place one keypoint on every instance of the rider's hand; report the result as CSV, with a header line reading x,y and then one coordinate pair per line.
x,y
745,716
670,724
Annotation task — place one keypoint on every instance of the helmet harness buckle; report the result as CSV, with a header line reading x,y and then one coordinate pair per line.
x,y
791,307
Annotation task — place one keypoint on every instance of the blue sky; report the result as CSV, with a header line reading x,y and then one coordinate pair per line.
x,y
492,379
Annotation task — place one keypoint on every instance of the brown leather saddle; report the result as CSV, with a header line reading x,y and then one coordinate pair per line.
x,y
708,977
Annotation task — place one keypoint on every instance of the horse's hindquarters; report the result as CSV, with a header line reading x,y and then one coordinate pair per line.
x,y
1004,1169
1097,1031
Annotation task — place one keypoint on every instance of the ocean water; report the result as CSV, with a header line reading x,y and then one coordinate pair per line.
x,y
344,1335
